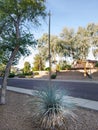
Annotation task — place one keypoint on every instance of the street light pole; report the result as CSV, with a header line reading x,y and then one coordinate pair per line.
x,y
49,47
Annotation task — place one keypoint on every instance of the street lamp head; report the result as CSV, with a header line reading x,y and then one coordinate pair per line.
x,y
49,14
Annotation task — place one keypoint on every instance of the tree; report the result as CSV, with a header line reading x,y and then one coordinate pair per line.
x,y
92,30
2,69
66,43
87,38
14,14
82,44
39,63
43,46
27,68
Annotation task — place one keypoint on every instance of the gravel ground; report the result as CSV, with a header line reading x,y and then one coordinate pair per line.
x,y
17,115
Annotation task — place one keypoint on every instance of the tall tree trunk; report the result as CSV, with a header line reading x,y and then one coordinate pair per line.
x,y
6,74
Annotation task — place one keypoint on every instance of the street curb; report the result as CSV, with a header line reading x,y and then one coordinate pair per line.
x,y
85,81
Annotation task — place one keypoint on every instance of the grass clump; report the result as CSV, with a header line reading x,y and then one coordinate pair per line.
x,y
51,111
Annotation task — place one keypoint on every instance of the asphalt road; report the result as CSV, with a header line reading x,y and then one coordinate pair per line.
x,y
76,89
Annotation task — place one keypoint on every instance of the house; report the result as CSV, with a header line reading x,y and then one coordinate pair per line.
x,y
80,64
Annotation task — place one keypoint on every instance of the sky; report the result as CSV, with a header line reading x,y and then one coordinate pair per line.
x,y
65,13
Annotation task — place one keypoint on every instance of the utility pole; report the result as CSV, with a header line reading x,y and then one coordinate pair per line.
x,y
49,47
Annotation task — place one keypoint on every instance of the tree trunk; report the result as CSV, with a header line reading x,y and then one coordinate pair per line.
x,y
6,74
8,66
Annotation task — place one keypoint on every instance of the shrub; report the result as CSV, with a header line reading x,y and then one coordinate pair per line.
x,y
53,76
64,67
58,67
11,75
68,67
29,76
21,75
47,69
51,111
36,73
96,65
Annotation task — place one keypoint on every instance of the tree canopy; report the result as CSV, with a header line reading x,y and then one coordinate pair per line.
x,y
43,47
71,43
14,14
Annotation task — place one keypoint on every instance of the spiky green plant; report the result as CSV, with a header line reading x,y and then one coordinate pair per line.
x,y
51,110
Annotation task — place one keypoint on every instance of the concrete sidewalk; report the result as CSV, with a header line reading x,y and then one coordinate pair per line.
x,y
78,101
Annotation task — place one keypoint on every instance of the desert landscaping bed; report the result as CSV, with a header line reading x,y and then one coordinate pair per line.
x,y
17,115
69,75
